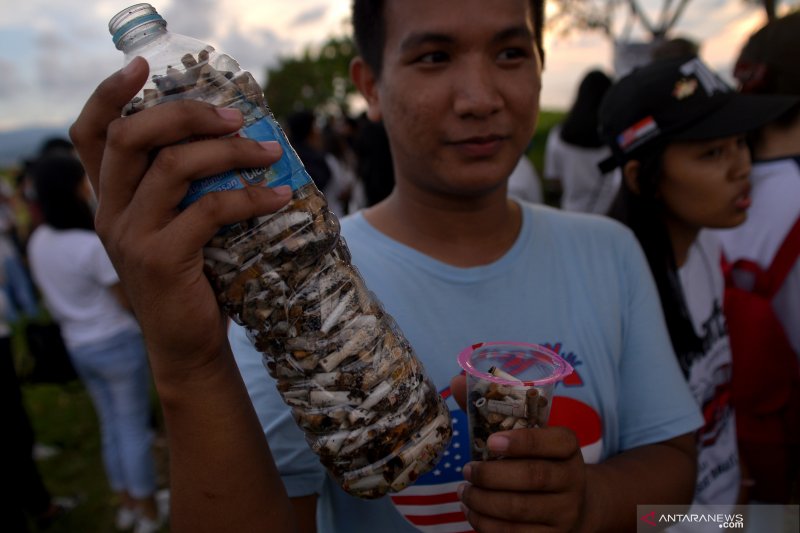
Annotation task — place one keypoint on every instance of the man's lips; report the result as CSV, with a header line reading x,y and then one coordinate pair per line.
x,y
480,146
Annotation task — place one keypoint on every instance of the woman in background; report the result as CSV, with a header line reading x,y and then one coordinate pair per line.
x,y
678,133
574,148
81,289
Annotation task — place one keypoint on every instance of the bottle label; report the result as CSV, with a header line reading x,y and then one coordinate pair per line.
x,y
288,170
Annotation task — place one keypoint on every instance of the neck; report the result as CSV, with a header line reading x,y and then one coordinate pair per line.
x,y
682,236
463,231
777,141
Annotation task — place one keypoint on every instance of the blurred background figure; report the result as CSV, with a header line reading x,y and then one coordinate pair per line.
x,y
676,48
574,149
341,190
374,168
766,343
28,497
524,182
27,215
81,290
306,139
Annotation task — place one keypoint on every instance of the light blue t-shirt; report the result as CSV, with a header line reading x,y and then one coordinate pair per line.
x,y
576,283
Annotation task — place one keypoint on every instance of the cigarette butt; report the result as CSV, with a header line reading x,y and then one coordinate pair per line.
x,y
496,372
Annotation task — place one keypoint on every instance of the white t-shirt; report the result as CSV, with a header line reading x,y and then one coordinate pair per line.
x,y
585,188
342,181
523,183
74,274
718,474
775,209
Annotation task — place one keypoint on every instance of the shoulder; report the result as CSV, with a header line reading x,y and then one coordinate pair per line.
x,y
571,225
594,245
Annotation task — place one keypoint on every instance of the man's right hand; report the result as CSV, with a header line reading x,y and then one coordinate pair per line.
x,y
140,168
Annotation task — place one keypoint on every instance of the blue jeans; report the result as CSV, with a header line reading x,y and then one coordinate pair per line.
x,y
116,374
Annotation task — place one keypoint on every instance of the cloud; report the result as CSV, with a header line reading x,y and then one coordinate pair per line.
x,y
13,83
65,67
256,50
310,16
196,18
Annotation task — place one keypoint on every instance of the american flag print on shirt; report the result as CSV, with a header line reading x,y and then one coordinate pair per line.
x,y
431,504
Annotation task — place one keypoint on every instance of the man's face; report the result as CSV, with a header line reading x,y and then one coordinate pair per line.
x,y
459,91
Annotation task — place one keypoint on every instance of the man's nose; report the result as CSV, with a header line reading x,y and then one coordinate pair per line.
x,y
477,93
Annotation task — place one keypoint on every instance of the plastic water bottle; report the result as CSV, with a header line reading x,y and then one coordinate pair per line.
x,y
340,362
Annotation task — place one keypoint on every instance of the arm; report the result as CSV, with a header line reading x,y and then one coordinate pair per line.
x,y
543,480
305,513
222,474
120,297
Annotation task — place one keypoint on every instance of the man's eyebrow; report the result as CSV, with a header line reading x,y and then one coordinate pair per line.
x,y
421,38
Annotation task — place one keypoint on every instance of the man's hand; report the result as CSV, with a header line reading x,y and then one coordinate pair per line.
x,y
539,485
542,482
141,167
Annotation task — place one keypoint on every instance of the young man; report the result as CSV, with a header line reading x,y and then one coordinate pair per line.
x,y
451,258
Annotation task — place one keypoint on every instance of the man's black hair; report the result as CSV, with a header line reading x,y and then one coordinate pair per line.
x,y
369,29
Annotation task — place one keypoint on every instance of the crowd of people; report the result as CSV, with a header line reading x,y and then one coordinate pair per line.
x,y
678,193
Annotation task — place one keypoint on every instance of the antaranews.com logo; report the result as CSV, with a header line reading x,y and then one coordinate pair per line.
x,y
722,520
714,518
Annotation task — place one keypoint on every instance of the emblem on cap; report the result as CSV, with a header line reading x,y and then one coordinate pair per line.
x,y
637,134
684,88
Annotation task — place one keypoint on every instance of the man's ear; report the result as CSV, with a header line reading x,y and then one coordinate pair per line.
x,y
367,84
630,173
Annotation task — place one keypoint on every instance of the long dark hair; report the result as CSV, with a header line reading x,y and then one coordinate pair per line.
x,y
580,127
644,214
57,179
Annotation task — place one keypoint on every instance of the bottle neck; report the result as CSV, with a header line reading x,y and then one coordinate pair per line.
x,y
139,33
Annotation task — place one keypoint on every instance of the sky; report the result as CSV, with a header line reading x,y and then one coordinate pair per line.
x,y
53,53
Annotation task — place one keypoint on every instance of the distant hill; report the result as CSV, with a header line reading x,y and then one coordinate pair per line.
x,y
20,144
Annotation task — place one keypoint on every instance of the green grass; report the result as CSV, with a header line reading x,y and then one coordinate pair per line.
x,y
547,119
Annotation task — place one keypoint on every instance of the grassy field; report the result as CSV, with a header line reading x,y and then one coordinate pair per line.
x,y
63,417
547,119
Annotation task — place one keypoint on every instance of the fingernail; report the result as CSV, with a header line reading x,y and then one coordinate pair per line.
x,y
498,443
229,113
460,490
271,147
464,509
282,190
467,471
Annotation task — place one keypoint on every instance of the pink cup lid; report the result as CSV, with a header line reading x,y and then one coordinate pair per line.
x,y
559,368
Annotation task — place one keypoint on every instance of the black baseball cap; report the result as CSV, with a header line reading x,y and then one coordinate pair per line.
x,y
678,99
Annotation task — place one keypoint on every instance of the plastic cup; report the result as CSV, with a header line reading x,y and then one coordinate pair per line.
x,y
509,386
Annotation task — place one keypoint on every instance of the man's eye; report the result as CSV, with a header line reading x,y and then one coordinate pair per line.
x,y
511,53
433,57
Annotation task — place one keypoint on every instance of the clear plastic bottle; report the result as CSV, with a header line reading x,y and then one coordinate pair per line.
x,y
353,382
